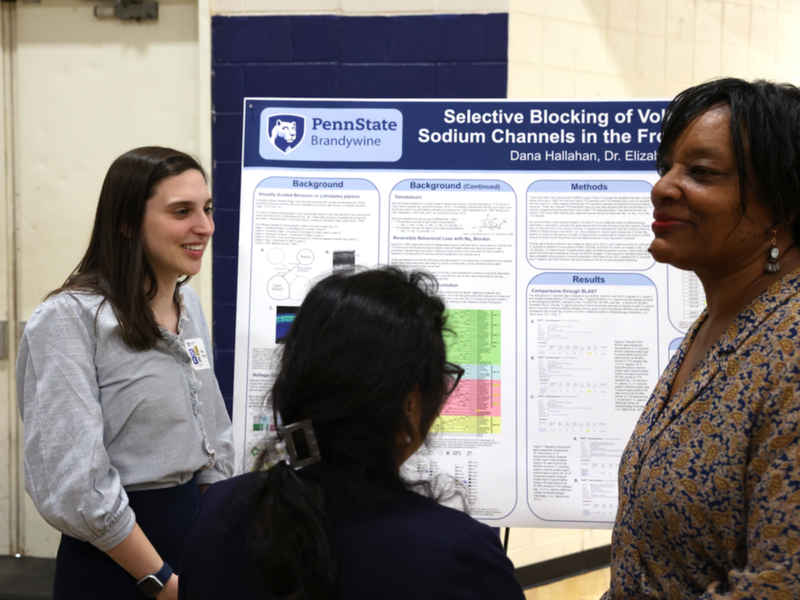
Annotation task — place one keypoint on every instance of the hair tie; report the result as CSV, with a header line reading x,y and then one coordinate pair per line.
x,y
299,445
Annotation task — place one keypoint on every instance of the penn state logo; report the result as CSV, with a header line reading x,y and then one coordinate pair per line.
x,y
286,131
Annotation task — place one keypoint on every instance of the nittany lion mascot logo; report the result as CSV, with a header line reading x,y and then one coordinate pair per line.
x,y
286,131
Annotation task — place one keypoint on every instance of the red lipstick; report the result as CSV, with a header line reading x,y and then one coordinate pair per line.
x,y
663,223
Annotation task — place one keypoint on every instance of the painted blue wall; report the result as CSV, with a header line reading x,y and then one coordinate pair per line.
x,y
328,56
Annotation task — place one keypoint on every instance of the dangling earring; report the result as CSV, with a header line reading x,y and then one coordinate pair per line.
x,y
772,265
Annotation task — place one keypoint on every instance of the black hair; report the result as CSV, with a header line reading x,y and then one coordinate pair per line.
x,y
765,131
359,345
114,265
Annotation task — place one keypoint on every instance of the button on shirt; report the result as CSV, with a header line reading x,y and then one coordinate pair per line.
x,y
101,417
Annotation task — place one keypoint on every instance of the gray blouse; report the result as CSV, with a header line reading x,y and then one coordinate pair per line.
x,y
101,418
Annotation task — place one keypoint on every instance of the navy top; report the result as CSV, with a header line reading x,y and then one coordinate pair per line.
x,y
393,545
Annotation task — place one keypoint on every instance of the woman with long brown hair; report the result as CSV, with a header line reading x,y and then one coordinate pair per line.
x,y
124,420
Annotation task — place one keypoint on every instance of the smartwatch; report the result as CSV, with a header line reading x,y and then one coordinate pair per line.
x,y
151,585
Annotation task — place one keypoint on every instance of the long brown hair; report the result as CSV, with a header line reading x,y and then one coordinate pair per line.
x,y
114,265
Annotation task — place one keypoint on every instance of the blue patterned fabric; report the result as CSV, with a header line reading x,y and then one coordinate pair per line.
x,y
709,485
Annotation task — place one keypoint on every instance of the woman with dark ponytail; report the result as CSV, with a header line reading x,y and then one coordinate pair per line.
x,y
328,513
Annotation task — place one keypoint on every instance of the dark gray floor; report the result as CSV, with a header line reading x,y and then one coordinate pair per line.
x,y
26,578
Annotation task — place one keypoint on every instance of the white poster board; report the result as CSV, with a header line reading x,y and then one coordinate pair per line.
x,y
535,218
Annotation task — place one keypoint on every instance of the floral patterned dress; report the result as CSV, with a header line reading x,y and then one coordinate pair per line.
x,y
709,484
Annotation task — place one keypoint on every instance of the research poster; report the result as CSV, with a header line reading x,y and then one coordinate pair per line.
x,y
535,218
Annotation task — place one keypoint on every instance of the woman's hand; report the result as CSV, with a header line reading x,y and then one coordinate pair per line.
x,y
137,556
170,591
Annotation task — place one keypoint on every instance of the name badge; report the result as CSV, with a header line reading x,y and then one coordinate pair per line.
x,y
197,352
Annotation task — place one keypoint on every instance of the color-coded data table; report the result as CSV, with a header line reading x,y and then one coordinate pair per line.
x,y
475,405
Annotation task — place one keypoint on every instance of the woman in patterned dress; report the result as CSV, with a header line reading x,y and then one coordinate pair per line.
x,y
709,484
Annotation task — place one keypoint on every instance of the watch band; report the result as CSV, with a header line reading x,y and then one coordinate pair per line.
x,y
151,585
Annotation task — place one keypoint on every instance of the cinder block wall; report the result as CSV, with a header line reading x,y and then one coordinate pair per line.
x,y
647,48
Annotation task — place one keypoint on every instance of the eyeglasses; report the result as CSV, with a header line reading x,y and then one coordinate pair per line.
x,y
453,374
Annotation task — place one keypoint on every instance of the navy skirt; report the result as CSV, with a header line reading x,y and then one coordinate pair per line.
x,y
86,573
